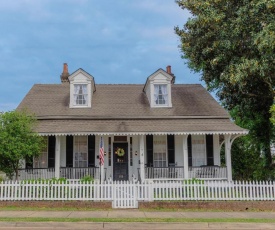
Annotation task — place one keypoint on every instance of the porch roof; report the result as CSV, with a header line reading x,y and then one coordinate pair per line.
x,y
160,126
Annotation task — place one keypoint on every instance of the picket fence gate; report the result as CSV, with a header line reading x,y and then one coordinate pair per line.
x,y
127,194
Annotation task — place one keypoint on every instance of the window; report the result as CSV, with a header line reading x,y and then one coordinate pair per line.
x,y
159,151
80,151
160,95
42,160
80,95
198,150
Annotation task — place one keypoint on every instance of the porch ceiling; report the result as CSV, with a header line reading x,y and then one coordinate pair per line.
x,y
138,127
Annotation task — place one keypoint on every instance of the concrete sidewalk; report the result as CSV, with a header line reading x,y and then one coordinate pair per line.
x,y
134,213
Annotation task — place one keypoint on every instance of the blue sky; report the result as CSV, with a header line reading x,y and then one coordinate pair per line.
x,y
121,41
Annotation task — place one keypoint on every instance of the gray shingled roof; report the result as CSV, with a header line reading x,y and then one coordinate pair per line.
x,y
125,108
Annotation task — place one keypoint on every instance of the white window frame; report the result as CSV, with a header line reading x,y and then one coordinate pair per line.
x,y
41,161
83,95
79,157
160,156
198,150
164,95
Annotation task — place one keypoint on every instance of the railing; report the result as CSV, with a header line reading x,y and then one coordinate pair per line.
x,y
69,173
36,173
207,172
164,172
78,173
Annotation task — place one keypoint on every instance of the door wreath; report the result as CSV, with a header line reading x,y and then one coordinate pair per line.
x,y
120,152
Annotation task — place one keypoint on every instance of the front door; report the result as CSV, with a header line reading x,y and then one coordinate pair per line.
x,y
120,161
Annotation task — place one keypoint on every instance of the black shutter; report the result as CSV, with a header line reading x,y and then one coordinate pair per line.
x,y
149,150
29,162
189,144
209,150
69,151
171,149
51,151
91,151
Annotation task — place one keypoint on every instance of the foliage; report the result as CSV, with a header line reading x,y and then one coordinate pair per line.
x,y
87,179
247,162
193,181
232,44
18,141
45,181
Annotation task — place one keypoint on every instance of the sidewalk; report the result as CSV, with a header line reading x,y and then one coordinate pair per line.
x,y
134,225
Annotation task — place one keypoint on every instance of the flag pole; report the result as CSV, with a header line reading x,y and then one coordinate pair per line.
x,y
101,158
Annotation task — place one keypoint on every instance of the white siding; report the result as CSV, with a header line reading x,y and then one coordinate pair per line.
x,y
216,147
63,151
179,150
136,158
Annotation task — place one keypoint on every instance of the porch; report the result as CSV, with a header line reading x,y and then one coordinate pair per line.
x,y
144,157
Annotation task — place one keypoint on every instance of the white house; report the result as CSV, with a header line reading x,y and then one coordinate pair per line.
x,y
161,130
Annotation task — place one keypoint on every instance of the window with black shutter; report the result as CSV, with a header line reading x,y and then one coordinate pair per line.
x,y
149,150
51,152
69,151
209,150
91,151
189,144
171,149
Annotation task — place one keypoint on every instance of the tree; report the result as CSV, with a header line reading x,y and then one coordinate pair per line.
x,y
232,44
18,141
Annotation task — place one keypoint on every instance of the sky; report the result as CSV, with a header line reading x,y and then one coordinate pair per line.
x,y
117,42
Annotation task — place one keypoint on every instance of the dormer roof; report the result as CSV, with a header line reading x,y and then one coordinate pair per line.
x,y
157,74
82,76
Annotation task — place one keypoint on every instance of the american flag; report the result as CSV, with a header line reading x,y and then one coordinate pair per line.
x,y
101,151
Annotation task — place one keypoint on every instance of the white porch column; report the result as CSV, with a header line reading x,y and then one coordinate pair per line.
x,y
227,142
57,157
185,156
141,153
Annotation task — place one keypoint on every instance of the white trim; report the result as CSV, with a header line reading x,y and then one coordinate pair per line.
x,y
244,132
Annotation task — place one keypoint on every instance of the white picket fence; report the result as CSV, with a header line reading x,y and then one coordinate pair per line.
x,y
127,194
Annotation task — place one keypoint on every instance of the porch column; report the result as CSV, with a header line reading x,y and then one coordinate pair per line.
x,y
141,152
227,142
57,157
185,156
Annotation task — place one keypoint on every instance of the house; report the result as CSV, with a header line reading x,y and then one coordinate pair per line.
x,y
153,131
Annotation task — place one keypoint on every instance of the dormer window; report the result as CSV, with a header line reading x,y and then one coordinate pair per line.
x,y
160,95
82,87
80,95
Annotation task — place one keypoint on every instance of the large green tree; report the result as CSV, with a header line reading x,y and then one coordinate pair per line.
x,y
18,141
232,44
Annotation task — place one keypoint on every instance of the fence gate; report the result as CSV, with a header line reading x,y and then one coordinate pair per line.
x,y
124,195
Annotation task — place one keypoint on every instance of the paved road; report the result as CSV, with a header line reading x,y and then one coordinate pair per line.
x,y
134,225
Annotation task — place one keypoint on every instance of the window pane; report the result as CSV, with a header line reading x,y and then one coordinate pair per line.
x,y
161,94
80,94
198,150
81,151
159,151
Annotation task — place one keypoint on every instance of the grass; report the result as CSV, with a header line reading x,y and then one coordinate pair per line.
x,y
138,220
16,208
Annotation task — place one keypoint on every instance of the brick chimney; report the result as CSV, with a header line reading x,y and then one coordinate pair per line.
x,y
169,71
65,74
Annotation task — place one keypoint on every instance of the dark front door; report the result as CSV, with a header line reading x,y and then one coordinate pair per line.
x,y
120,162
